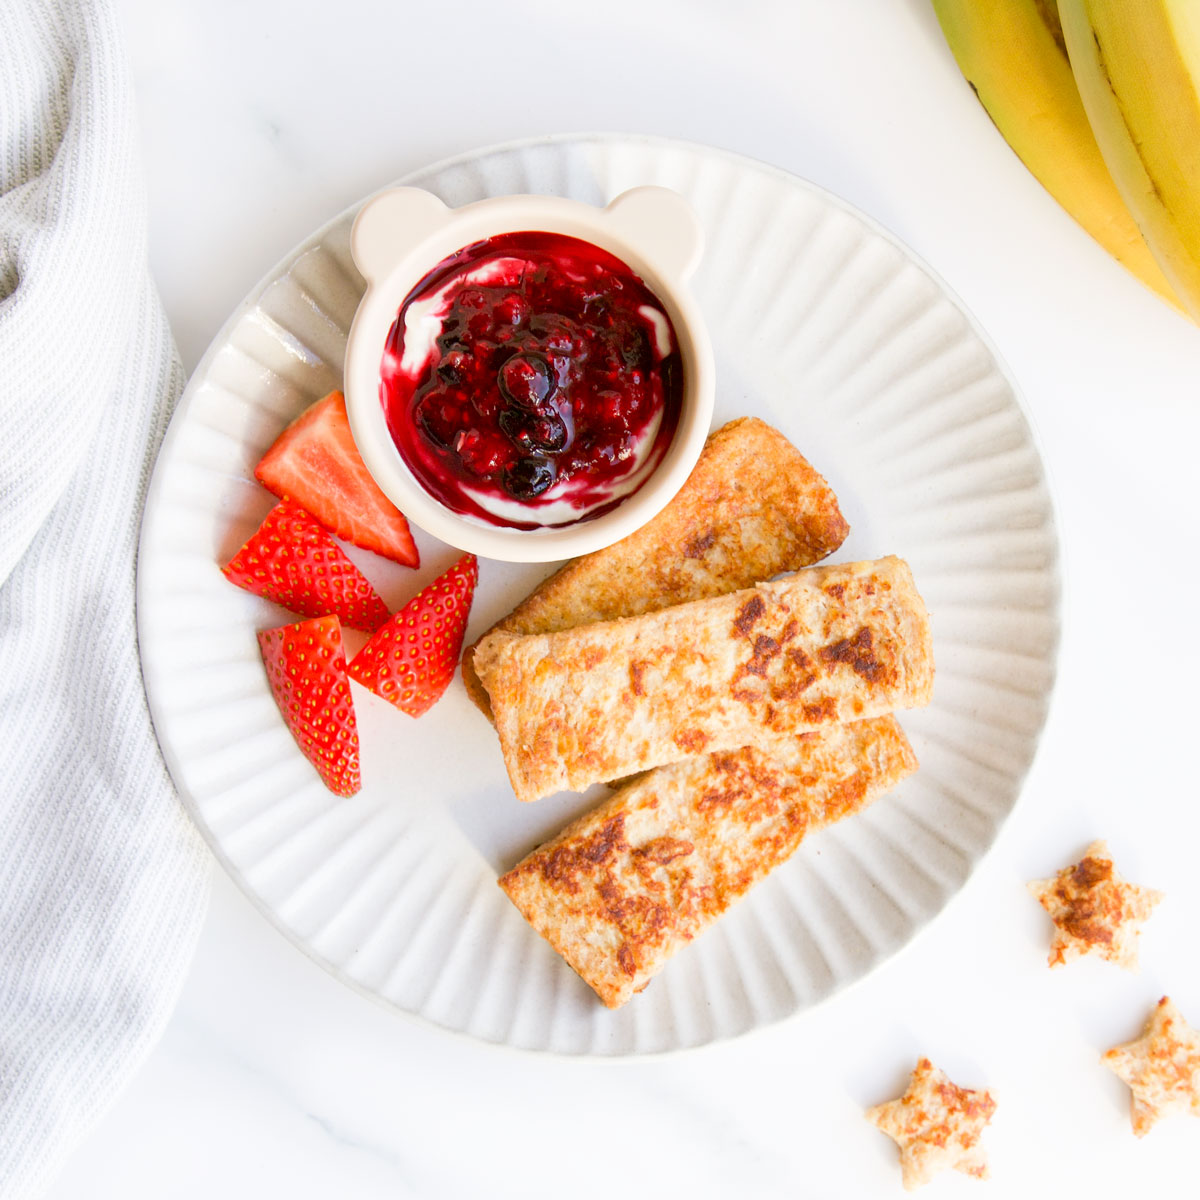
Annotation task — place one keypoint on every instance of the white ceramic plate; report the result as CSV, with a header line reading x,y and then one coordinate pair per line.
x,y
823,325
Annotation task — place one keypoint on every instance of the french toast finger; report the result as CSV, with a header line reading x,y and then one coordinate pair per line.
x,y
610,699
625,886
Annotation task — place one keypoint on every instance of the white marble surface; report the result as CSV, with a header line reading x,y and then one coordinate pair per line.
x,y
262,120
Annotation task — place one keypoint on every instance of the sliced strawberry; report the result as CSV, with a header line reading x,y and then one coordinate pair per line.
x,y
306,668
295,562
411,660
315,462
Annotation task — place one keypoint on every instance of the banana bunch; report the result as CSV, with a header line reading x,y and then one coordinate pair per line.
x,y
1101,101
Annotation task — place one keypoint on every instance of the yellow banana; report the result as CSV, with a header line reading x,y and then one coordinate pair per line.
x,y
1137,65
1013,56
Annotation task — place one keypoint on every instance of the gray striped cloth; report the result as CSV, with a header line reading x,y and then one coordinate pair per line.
x,y
103,880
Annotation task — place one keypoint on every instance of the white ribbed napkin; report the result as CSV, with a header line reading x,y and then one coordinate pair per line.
x,y
103,880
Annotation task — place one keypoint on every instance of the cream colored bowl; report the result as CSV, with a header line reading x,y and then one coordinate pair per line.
x,y
401,234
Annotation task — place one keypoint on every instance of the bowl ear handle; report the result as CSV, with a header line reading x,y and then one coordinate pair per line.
x,y
390,224
662,221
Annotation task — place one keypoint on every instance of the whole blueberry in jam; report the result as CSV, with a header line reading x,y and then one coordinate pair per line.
x,y
529,477
527,380
531,379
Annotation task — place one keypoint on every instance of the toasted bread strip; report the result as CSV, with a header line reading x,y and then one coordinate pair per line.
x,y
751,509
603,701
628,884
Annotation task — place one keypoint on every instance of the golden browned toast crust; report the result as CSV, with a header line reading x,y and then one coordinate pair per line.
x,y
603,701
628,884
751,509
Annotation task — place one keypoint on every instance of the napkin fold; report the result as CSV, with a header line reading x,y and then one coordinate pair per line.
x,y
103,879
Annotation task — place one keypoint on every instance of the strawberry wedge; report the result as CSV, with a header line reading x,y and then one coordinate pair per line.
x,y
410,661
295,562
316,463
306,668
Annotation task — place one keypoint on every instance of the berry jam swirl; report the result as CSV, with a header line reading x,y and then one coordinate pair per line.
x,y
531,380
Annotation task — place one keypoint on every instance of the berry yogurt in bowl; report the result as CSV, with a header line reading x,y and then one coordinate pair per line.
x,y
527,377
531,380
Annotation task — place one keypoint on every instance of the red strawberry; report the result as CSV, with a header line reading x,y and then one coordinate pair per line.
x,y
295,562
411,660
306,668
315,462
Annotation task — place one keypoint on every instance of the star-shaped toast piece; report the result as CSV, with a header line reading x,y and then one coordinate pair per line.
x,y
1162,1068
1094,910
936,1125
